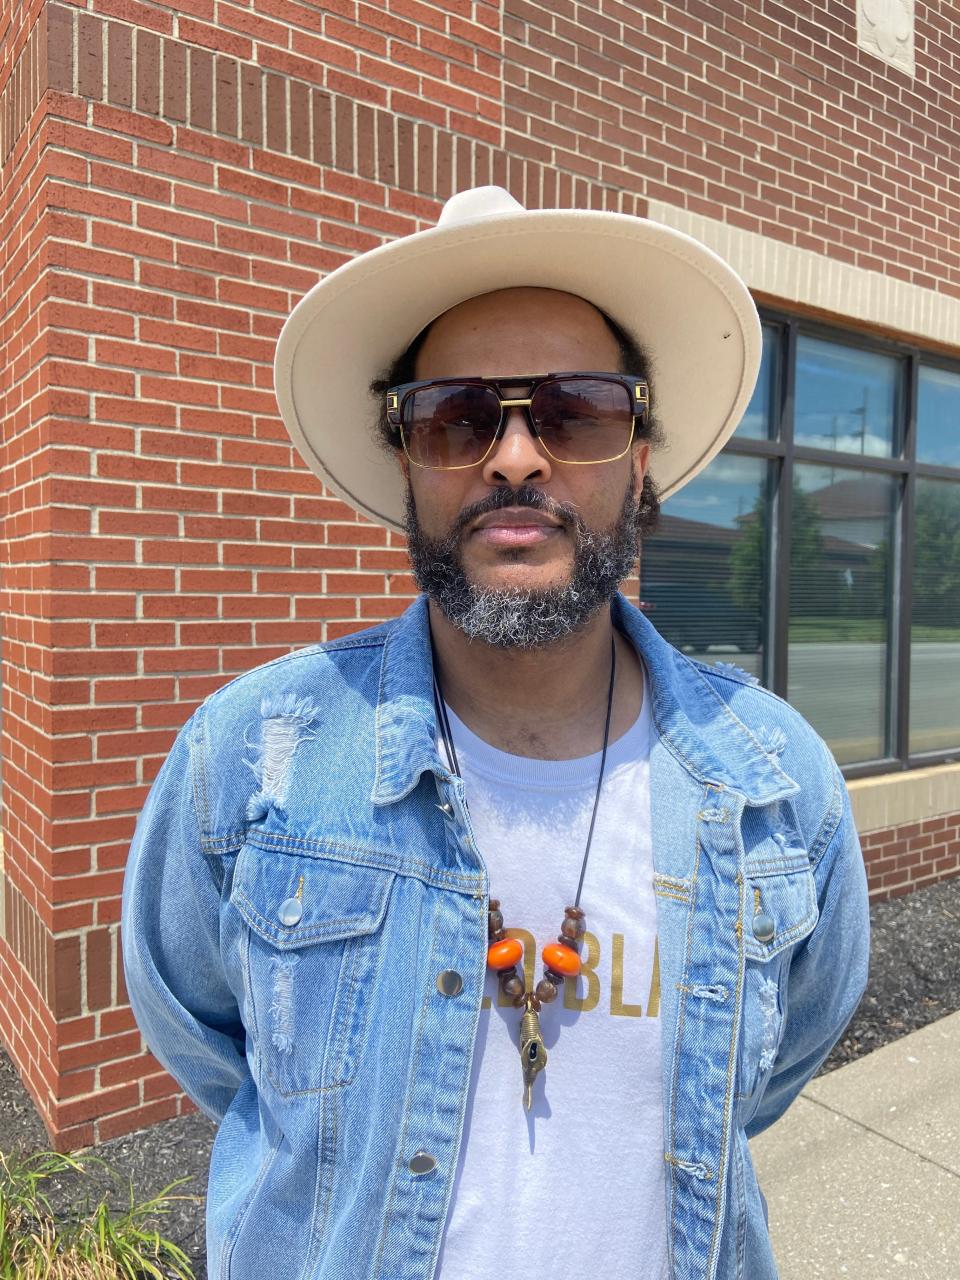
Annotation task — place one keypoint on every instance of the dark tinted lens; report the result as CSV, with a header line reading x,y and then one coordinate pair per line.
x,y
450,426
583,419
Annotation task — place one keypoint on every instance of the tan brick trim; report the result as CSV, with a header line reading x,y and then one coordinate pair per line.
x,y
895,799
809,279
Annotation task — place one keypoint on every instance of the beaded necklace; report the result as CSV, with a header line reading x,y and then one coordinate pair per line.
x,y
561,959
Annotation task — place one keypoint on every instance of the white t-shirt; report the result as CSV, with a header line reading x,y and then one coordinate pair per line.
x,y
575,1186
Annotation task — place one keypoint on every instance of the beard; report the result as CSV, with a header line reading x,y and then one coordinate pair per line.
x,y
530,618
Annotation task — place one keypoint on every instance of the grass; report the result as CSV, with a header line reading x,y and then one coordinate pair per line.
x,y
98,1243
822,630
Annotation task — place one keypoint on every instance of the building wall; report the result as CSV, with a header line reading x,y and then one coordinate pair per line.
x,y
175,177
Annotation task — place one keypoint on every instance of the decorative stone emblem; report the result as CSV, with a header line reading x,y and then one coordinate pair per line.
x,y
885,28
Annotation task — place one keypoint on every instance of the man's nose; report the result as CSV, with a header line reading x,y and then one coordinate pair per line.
x,y
518,456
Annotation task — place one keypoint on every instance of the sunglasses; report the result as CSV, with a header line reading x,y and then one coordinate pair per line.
x,y
578,418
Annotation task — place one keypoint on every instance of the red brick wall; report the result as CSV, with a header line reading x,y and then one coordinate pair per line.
x,y
915,854
764,115
33,963
175,177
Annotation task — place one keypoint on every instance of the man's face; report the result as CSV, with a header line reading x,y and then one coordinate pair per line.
x,y
534,593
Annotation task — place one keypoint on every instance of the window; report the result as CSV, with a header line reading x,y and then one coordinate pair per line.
x,y
821,550
841,528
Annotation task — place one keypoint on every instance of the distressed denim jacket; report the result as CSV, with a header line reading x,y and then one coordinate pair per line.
x,y
304,868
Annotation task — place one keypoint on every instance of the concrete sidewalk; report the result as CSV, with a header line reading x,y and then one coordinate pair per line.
x,y
862,1175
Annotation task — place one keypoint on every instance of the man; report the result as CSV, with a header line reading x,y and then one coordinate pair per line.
x,y
489,935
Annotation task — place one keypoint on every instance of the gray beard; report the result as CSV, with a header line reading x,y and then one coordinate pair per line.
x,y
540,616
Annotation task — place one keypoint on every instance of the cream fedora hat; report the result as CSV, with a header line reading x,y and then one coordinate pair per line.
x,y
689,309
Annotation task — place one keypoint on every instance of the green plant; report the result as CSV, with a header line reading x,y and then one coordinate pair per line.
x,y
95,1244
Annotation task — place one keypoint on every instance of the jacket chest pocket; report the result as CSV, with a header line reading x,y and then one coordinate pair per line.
x,y
313,951
781,910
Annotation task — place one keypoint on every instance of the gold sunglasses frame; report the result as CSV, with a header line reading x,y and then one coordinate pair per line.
x,y
397,395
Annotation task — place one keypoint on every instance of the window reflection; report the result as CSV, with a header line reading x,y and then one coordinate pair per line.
x,y
840,606
846,399
935,619
938,417
704,572
759,422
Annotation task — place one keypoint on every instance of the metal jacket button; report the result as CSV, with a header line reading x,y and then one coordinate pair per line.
x,y
763,927
449,982
291,909
446,809
421,1163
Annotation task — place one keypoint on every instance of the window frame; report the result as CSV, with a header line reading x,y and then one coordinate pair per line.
x,y
785,454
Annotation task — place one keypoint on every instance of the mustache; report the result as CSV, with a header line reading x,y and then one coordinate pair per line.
x,y
524,496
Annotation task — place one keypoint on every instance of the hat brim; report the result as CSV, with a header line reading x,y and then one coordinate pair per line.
x,y
686,306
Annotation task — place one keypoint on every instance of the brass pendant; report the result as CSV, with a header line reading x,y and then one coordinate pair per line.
x,y
533,1053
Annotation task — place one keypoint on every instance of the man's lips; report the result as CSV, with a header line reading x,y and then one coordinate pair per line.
x,y
516,527
516,518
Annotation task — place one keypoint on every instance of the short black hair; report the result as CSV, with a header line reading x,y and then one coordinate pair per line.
x,y
633,358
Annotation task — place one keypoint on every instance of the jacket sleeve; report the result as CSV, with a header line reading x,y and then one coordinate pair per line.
x,y
170,935
828,970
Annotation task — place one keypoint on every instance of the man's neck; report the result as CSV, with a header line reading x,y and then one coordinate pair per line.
x,y
550,703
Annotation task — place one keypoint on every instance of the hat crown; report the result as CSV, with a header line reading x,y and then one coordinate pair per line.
x,y
478,202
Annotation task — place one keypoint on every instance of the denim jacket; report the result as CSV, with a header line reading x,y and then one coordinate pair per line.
x,y
304,868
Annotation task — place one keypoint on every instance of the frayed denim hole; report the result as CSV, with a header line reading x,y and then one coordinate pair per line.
x,y
287,720
281,1007
771,740
768,1006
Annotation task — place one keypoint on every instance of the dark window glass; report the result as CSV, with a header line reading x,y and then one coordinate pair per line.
x,y
935,619
760,420
938,417
704,572
846,399
840,605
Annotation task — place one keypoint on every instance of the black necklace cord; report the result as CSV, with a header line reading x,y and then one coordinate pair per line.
x,y
444,722
447,736
603,761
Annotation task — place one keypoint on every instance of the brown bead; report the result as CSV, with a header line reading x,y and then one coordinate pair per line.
x,y
572,930
494,921
572,943
574,913
552,976
494,904
497,935
546,991
511,985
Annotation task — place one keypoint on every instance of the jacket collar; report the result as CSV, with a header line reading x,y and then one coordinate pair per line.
x,y
691,718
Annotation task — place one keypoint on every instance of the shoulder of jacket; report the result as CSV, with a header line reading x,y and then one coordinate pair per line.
x,y
300,671
783,733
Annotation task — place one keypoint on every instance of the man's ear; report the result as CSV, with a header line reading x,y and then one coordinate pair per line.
x,y
641,460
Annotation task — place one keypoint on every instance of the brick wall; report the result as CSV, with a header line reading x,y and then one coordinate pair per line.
x,y
175,177
912,855
764,115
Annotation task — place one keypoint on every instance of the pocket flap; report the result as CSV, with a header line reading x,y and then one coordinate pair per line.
x,y
335,900
780,885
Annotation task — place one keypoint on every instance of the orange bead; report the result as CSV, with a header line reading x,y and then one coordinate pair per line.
x,y
561,959
505,954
